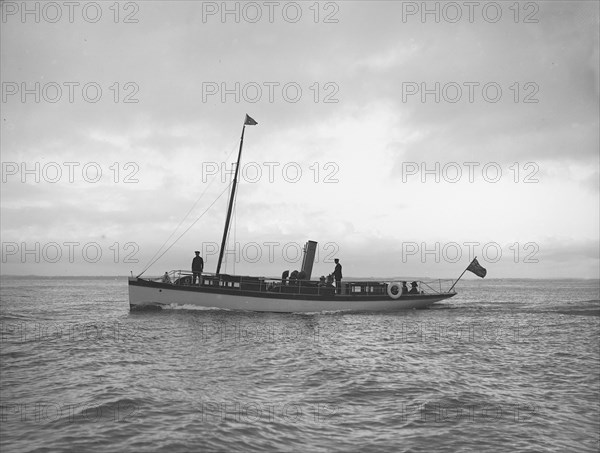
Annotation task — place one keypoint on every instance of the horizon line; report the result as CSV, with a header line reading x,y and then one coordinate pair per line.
x,y
347,278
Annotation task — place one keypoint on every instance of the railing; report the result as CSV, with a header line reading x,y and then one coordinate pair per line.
x,y
443,285
291,286
245,283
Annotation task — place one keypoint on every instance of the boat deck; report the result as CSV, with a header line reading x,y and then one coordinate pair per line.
x,y
276,287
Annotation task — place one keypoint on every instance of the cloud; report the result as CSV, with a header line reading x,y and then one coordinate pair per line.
x,y
331,100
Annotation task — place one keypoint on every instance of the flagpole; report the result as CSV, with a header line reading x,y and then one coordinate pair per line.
x,y
454,284
231,198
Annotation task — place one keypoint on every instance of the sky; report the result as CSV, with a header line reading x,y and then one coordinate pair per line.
x,y
405,138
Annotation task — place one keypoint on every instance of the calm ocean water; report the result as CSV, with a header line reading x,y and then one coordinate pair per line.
x,y
507,365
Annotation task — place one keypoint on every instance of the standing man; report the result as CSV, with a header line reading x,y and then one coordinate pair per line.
x,y
337,274
197,267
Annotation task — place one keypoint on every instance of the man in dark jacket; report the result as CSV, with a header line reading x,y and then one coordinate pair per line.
x,y
414,289
197,267
337,274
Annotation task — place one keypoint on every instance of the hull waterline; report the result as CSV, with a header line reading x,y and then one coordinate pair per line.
x,y
149,294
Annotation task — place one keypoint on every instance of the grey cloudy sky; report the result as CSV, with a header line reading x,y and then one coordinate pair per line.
x,y
404,137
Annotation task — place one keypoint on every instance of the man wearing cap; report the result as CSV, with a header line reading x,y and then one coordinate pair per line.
x,y
337,274
404,288
414,289
197,267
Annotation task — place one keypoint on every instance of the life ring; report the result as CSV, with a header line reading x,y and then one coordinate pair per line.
x,y
394,290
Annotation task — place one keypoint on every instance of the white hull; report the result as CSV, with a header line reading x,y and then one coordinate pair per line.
x,y
169,295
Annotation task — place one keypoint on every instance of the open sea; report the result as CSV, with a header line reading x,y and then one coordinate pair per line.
x,y
505,366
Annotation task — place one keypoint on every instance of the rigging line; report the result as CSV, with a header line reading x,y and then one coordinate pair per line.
x,y
186,216
186,230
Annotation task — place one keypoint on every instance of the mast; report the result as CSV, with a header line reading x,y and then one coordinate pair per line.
x,y
249,121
